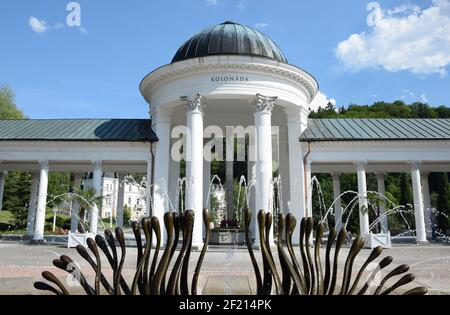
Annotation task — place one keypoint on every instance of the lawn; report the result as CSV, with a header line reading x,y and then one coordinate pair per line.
x,y
7,223
6,217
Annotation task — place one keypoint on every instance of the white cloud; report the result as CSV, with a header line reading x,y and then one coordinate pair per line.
x,y
38,26
404,38
41,26
410,96
321,100
261,25
212,2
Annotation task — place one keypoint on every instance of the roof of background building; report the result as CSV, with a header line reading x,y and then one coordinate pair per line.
x,y
135,130
229,38
140,130
376,129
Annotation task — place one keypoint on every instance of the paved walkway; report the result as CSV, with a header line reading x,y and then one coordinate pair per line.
x,y
225,270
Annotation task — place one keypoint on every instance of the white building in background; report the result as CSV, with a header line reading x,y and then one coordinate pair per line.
x,y
134,197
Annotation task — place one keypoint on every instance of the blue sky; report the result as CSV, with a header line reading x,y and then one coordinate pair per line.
x,y
58,71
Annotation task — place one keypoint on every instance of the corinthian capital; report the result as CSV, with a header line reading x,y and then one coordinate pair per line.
x,y
194,103
264,103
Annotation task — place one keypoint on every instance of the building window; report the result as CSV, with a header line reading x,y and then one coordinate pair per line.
x,y
129,201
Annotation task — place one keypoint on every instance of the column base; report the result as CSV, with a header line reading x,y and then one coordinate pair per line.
x,y
38,242
27,238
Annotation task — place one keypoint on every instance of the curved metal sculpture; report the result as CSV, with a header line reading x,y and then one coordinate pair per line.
x,y
305,276
146,281
310,276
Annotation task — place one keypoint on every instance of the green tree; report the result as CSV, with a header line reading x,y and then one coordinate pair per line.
x,y
397,109
8,107
17,196
58,185
405,189
443,202
126,215
17,184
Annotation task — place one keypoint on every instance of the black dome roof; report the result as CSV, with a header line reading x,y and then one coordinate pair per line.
x,y
229,38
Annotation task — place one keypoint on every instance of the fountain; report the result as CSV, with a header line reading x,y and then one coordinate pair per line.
x,y
88,200
226,231
372,239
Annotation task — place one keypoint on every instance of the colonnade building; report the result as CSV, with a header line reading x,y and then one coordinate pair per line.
x,y
229,75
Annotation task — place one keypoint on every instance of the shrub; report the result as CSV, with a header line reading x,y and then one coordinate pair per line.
x,y
61,222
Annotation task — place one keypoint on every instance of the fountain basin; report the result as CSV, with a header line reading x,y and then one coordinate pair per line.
x,y
227,237
374,240
75,239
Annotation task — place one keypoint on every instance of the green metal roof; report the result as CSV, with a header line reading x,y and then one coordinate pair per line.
x,y
135,130
139,130
376,129
229,38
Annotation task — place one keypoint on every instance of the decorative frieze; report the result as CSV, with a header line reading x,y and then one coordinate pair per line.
x,y
167,73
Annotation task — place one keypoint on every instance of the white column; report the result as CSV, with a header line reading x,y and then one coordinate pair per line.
x,y
39,225
32,204
148,204
174,176
251,180
426,202
363,203
161,125
3,175
421,235
97,185
263,166
194,164
283,168
337,200
120,200
229,188
75,205
229,162
382,206
309,188
297,189
206,183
